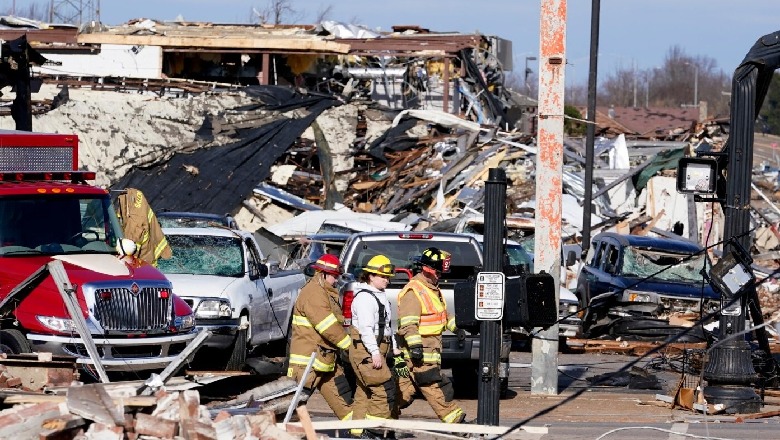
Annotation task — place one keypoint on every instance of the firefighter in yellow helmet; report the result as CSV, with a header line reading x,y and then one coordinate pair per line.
x,y
371,333
317,327
422,317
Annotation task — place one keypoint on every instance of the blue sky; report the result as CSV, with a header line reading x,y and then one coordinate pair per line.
x,y
633,32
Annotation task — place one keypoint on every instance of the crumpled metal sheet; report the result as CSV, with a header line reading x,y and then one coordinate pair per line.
x,y
227,174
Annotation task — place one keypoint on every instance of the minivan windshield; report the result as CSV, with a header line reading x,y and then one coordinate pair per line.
x,y
57,224
662,265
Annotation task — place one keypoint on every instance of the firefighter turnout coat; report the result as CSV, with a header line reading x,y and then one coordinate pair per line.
x,y
422,318
139,223
317,327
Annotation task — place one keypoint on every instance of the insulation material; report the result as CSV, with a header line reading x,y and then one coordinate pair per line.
x,y
662,196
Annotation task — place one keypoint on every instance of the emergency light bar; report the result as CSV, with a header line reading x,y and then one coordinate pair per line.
x,y
21,176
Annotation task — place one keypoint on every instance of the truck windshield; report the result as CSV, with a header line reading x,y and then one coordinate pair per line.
x,y
204,255
57,224
662,265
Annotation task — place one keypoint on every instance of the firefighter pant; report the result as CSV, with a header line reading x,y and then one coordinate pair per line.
x,y
376,388
333,385
436,388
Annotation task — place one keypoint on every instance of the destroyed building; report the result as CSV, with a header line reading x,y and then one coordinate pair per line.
x,y
266,122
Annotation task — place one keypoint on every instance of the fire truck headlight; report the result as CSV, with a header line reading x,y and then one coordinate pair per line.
x,y
186,322
61,325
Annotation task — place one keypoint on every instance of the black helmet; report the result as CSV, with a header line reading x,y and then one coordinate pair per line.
x,y
436,259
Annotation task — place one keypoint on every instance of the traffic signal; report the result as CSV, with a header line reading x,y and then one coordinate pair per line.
x,y
529,301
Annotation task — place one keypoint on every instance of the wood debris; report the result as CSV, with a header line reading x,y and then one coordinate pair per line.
x,y
636,348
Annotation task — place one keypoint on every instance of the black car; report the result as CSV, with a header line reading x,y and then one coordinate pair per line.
x,y
633,275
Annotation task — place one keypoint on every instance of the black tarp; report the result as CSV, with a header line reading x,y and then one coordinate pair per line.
x,y
227,174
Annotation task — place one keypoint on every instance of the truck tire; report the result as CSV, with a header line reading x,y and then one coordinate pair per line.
x,y
237,358
13,342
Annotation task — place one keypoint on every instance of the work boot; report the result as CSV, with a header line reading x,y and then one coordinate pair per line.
x,y
305,395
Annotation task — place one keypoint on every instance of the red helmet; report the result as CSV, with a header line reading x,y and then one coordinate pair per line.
x,y
329,264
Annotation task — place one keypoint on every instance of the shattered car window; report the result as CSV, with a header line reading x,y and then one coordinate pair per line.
x,y
639,262
204,255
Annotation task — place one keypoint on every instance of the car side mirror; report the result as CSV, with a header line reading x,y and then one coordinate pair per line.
x,y
263,271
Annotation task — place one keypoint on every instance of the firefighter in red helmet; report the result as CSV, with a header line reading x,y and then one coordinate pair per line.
x,y
317,327
422,318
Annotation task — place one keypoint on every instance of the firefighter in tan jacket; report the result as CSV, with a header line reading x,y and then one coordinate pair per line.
x,y
139,223
422,317
317,327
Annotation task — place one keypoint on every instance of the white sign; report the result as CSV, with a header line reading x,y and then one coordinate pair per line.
x,y
489,296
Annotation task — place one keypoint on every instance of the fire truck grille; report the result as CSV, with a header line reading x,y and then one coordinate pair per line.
x,y
119,309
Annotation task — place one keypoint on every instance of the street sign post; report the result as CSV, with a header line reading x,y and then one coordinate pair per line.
x,y
489,296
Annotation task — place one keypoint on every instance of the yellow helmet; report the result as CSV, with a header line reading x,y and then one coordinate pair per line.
x,y
380,265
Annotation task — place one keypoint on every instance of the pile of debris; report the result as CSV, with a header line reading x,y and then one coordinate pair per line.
x,y
90,412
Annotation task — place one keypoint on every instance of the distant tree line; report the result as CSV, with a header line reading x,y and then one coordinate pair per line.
x,y
769,116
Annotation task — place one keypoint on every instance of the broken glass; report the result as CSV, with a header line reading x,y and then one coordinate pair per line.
x,y
204,255
661,265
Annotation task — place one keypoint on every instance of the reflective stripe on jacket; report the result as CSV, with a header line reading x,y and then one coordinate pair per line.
x,y
139,223
317,326
433,316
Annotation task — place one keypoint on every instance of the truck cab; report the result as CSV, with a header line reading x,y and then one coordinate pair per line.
x,y
459,354
133,315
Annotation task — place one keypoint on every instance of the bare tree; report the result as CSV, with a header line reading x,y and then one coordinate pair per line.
x,y
36,10
323,13
276,11
680,81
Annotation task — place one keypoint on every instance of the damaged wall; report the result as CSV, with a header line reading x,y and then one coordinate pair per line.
x,y
120,130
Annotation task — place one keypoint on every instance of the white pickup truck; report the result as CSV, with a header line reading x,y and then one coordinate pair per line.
x,y
461,355
222,274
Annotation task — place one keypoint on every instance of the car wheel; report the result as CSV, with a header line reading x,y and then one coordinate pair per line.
x,y
14,342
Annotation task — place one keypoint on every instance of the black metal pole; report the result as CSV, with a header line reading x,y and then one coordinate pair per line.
x,y
729,371
490,331
590,139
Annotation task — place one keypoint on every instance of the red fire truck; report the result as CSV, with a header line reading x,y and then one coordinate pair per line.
x,y
49,211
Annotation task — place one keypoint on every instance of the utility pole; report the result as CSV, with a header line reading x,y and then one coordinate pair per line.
x,y
590,133
549,183
633,73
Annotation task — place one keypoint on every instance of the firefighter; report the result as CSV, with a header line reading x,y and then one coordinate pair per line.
x,y
422,317
317,327
139,223
371,333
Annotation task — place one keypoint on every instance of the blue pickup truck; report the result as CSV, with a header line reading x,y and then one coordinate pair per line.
x,y
640,276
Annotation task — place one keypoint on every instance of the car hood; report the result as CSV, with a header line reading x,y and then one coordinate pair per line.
x,y
200,285
671,288
567,295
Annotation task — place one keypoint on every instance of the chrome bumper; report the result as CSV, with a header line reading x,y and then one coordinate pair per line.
x,y
151,353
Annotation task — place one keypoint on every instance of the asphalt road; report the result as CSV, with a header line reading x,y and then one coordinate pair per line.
x,y
582,410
